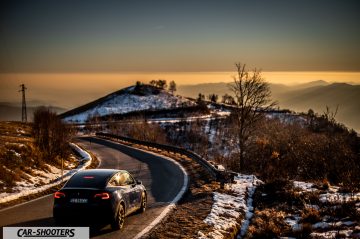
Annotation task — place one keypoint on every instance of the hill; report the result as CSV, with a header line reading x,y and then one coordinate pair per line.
x,y
127,100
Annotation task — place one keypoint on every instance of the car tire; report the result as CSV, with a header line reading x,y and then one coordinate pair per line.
x,y
143,203
119,219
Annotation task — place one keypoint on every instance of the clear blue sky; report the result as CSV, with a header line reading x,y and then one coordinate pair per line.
x,y
113,36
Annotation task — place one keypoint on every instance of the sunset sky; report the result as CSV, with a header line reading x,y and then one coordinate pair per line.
x,y
100,46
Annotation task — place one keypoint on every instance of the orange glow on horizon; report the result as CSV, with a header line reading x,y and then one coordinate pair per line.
x,y
72,89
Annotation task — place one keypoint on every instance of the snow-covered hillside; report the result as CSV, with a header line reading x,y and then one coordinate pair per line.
x,y
130,100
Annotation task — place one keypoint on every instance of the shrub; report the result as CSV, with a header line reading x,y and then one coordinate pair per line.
x,y
310,215
346,209
292,151
268,223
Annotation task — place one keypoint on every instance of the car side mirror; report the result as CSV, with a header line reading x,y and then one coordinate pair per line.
x,y
138,182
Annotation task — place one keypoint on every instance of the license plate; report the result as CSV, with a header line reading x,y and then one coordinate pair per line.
x,y
78,200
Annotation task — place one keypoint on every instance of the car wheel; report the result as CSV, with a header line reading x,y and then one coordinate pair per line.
x,y
143,203
118,221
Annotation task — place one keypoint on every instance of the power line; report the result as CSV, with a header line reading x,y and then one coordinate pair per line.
x,y
23,108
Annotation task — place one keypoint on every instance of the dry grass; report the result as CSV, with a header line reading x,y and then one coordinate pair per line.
x,y
344,210
310,215
17,152
268,223
274,200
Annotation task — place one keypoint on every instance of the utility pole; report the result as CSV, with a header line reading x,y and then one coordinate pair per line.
x,y
23,108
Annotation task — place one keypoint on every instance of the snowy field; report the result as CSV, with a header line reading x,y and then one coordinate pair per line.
x,y
329,226
233,210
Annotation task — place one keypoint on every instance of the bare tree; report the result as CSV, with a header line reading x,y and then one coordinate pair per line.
x,y
213,98
51,135
200,98
252,98
330,115
172,87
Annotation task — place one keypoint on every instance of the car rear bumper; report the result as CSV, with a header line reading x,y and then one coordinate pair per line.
x,y
83,213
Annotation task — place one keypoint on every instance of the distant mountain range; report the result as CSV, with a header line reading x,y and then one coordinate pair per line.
x,y
12,111
223,88
314,95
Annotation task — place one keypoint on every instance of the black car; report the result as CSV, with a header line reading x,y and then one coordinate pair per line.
x,y
106,195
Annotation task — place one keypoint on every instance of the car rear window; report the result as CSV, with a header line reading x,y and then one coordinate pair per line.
x,y
87,181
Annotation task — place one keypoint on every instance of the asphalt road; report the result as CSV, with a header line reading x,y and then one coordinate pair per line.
x,y
162,179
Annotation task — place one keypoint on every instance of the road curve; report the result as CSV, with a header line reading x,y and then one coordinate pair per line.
x,y
162,178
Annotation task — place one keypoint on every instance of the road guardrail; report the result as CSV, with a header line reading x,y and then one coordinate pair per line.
x,y
219,175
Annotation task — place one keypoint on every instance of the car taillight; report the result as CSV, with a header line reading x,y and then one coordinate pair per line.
x,y
59,195
102,195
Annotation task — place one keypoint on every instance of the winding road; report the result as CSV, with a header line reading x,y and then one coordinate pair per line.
x,y
162,178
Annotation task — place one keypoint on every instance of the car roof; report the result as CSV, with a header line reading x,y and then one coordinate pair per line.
x,y
91,178
99,172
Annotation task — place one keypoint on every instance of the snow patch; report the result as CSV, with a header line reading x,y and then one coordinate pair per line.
x,y
293,222
227,209
339,197
220,167
321,225
15,153
332,234
329,227
304,186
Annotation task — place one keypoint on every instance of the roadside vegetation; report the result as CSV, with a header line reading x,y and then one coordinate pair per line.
x,y
33,153
17,153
